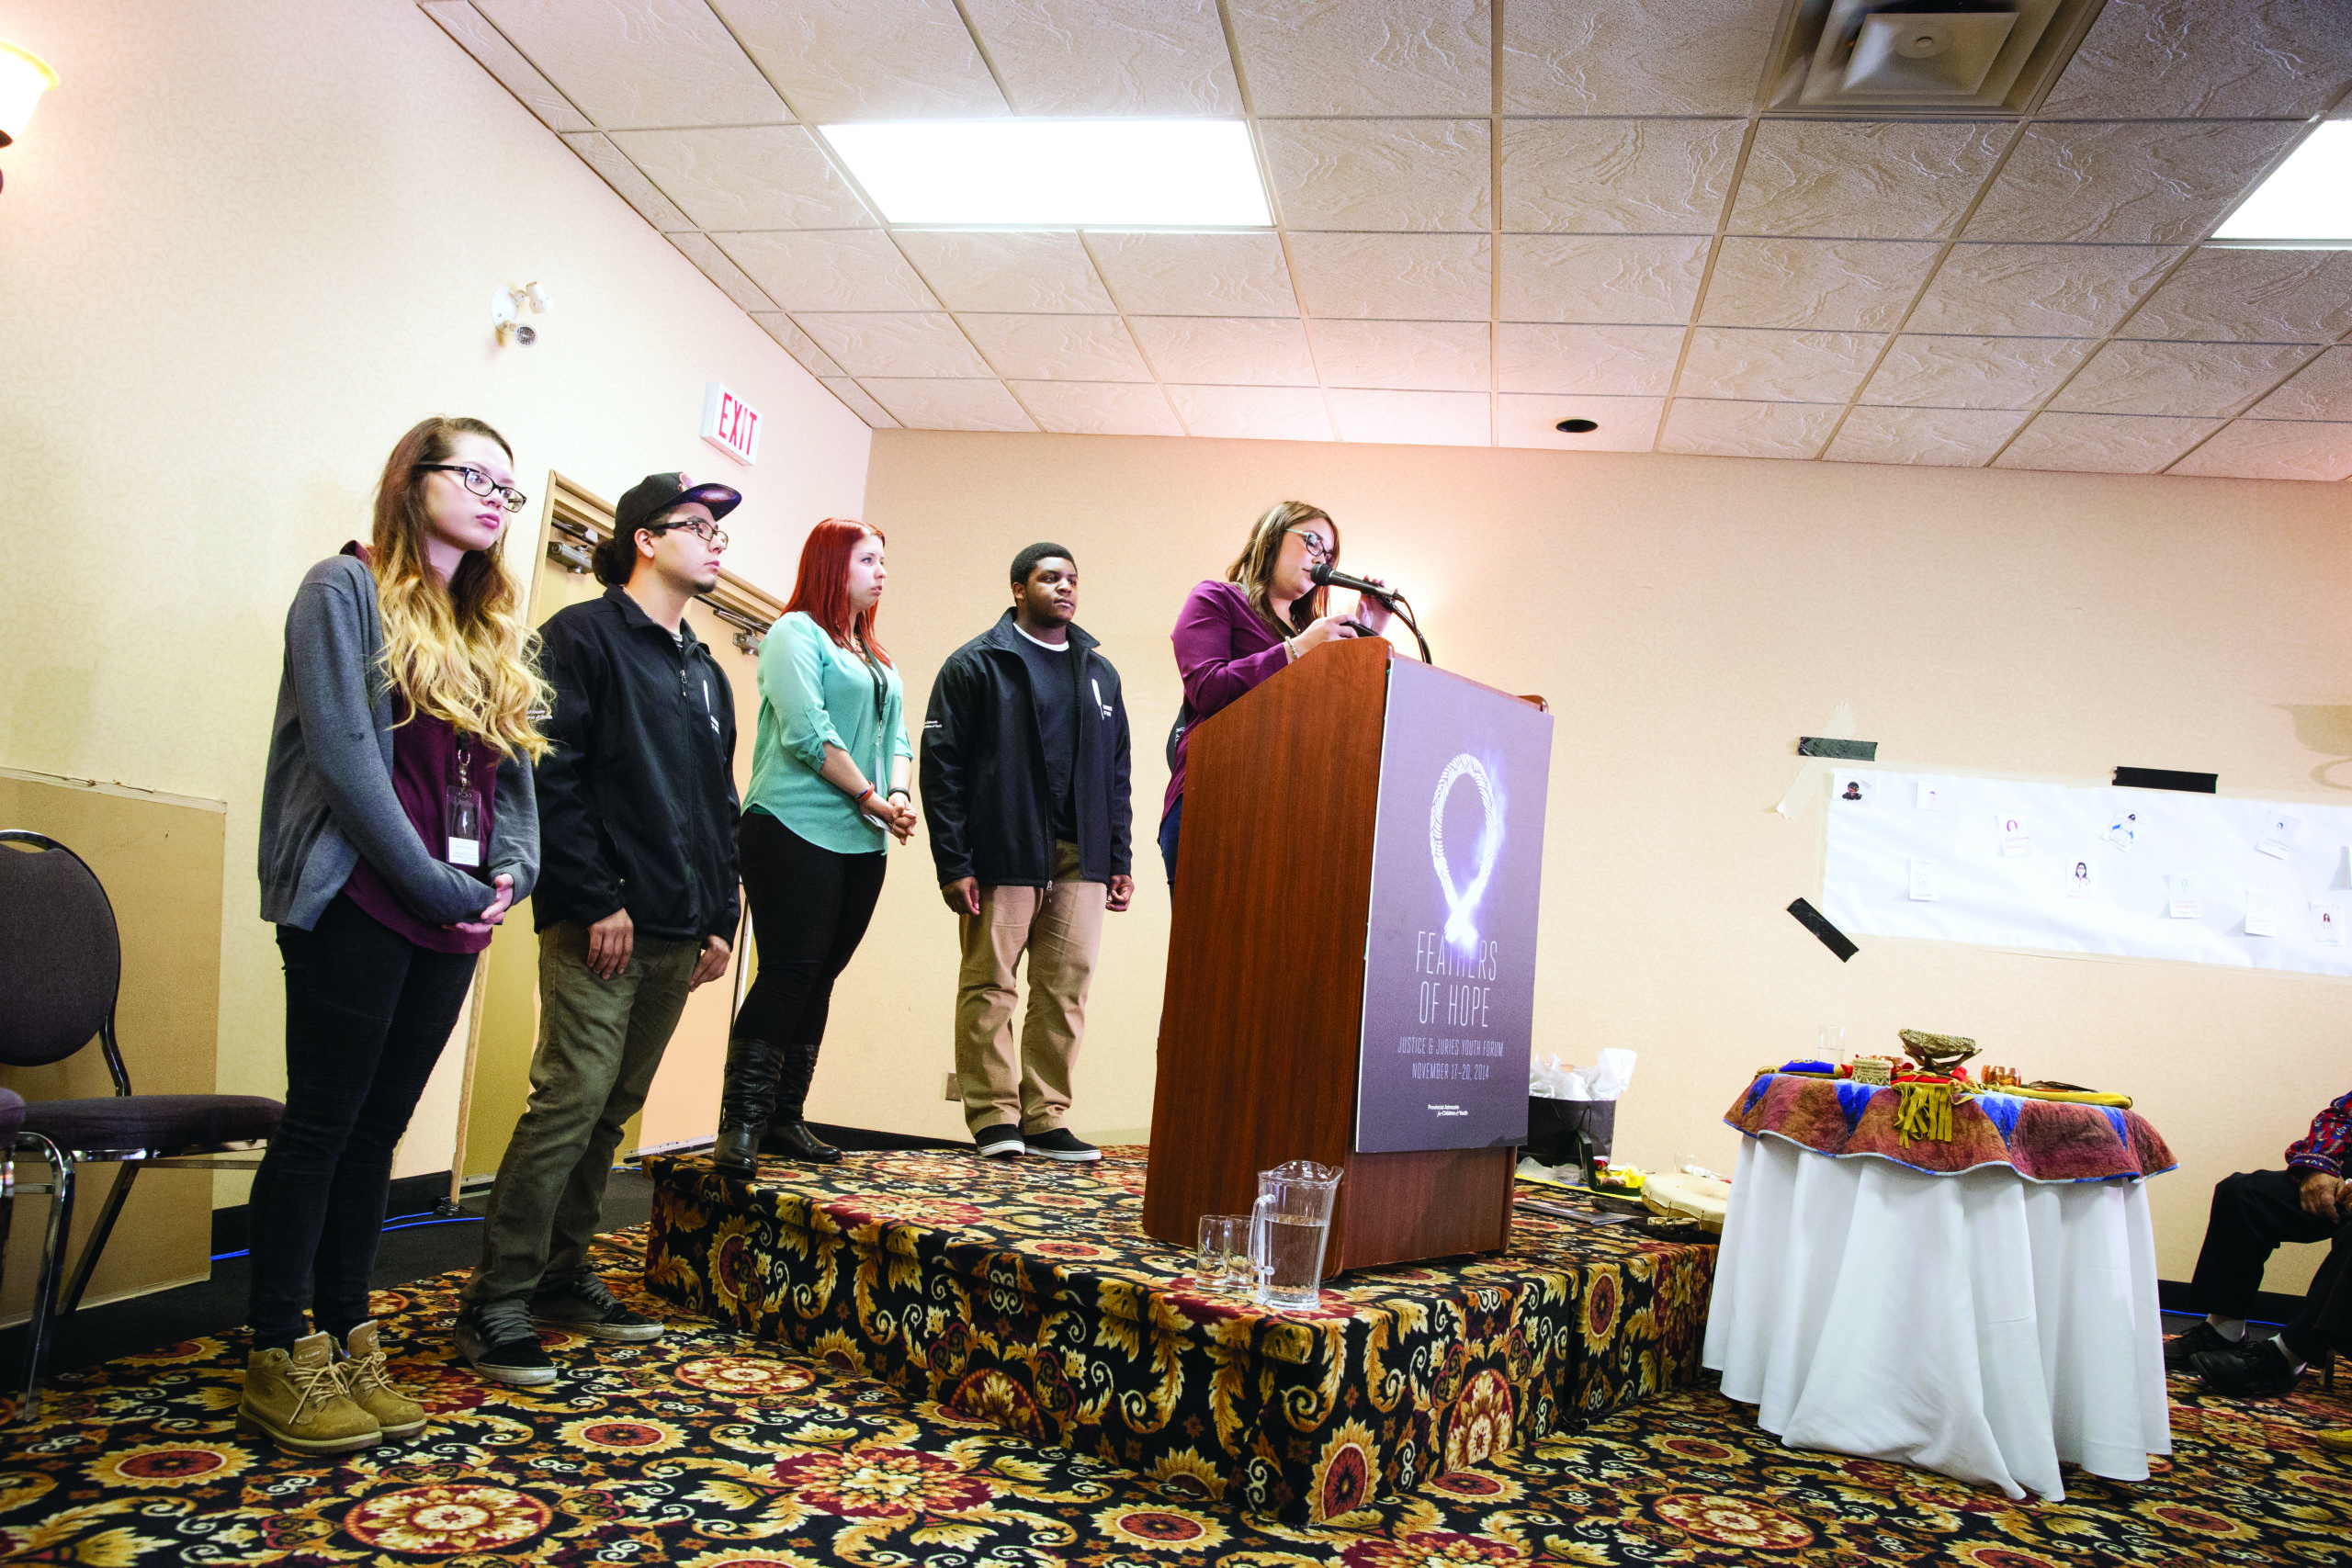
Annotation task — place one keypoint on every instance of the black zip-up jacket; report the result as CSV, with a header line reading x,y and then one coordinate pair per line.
x,y
637,796
985,794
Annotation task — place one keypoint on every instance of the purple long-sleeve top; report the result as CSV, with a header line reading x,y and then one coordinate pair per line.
x,y
1223,649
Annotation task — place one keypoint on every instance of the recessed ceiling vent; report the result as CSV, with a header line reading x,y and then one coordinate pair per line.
x,y
1892,58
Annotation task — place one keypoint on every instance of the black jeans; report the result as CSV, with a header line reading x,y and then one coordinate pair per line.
x,y
2255,1211
809,910
366,1014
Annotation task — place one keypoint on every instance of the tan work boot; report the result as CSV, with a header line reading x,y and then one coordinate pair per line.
x,y
297,1400
371,1387
2338,1439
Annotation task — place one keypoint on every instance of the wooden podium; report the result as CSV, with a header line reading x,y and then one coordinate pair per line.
x,y
1261,1025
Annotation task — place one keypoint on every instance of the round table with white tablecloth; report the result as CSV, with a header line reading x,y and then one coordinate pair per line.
x,y
1972,1319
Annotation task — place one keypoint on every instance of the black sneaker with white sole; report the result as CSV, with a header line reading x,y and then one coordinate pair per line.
x,y
584,1305
999,1142
1060,1143
497,1339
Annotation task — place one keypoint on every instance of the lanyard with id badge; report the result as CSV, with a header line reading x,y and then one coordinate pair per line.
x,y
461,808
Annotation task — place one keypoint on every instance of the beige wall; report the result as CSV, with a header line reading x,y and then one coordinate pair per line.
x,y
1688,617
243,247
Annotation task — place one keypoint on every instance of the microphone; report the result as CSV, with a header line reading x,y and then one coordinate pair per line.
x,y
1326,576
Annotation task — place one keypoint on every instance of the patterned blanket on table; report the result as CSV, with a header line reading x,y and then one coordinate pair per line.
x,y
2042,1140
1024,1296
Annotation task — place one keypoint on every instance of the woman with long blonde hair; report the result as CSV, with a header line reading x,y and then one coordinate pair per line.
x,y
398,825
1268,613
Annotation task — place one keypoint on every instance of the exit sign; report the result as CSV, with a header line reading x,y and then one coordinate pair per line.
x,y
730,425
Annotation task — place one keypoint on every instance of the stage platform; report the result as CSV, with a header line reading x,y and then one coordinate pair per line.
x,y
1023,1295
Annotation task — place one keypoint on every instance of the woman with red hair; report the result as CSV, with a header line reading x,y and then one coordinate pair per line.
x,y
829,791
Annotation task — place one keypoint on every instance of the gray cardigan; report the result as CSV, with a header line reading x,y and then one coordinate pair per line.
x,y
327,799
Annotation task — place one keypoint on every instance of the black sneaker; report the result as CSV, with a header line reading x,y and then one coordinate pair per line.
x,y
1000,1142
584,1306
2248,1371
497,1338
1060,1143
2181,1348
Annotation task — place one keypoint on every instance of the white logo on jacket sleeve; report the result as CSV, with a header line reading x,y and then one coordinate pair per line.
x,y
1098,697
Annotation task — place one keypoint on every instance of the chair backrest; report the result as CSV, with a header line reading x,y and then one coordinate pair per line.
x,y
60,956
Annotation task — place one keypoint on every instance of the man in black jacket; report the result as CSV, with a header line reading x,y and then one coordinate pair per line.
x,y
634,907
1025,775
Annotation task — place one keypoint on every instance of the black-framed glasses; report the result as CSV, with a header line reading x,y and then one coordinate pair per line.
x,y
710,534
481,484
1317,552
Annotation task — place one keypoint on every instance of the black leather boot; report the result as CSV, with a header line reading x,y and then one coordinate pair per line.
x,y
787,1135
746,1099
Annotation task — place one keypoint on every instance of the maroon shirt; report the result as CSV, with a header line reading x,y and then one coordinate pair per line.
x,y
425,769
1223,649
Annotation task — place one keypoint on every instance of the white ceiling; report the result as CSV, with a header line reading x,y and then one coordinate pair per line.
x,y
1604,227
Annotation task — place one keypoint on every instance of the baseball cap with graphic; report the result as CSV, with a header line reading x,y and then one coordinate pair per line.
x,y
645,500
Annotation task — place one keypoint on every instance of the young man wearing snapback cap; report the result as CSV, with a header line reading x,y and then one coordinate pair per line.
x,y
636,907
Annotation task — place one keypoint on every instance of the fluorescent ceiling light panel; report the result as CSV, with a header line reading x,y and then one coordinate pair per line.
x,y
2306,198
1058,173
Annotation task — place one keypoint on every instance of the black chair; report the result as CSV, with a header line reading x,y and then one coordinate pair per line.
x,y
61,967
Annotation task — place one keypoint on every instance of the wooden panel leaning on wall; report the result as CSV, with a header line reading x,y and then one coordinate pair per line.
x,y
159,857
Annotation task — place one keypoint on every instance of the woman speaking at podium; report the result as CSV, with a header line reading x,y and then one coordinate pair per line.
x,y
1267,614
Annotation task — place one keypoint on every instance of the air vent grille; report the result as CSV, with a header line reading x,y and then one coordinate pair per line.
x,y
1887,59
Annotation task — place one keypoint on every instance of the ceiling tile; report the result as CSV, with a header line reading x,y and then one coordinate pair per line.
x,y
2264,449
860,403
1098,408
949,405
1264,351
2178,377
1407,277
718,266
885,342
798,343
517,74
1264,413
2252,295
2037,290
2159,183
1834,285
1631,57
2322,389
597,151
2103,442
630,63
1364,56
1618,176
1421,419
752,176
1058,348
1109,57
1722,429
836,60
1441,357
1045,273
1776,366
1876,180
1612,361
1974,372
1420,175
2146,59
1600,277
1195,275
1947,439
1627,424
828,269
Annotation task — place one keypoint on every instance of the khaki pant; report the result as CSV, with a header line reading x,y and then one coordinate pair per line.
x,y
1061,930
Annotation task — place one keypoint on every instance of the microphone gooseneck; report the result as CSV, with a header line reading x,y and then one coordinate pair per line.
x,y
1327,576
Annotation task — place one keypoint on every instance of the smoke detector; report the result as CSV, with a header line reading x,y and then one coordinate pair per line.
x,y
1894,58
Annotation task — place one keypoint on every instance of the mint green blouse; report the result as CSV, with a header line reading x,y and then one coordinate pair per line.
x,y
814,694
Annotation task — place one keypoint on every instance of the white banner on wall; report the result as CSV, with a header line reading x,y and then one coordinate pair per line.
x,y
2128,873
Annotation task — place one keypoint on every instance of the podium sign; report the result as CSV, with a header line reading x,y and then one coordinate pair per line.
x,y
1449,987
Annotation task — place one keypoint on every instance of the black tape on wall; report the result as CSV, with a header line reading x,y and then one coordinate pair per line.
x,y
2166,778
1818,924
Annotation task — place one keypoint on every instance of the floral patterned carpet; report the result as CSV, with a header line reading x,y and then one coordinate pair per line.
x,y
711,1451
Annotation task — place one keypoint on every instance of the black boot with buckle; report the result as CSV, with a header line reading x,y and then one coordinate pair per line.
x,y
745,1103
787,1135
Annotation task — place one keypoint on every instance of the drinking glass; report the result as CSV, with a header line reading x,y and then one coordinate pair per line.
x,y
1833,1044
1223,1257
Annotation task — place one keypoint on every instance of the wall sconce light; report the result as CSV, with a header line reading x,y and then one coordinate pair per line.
x,y
24,77
506,307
